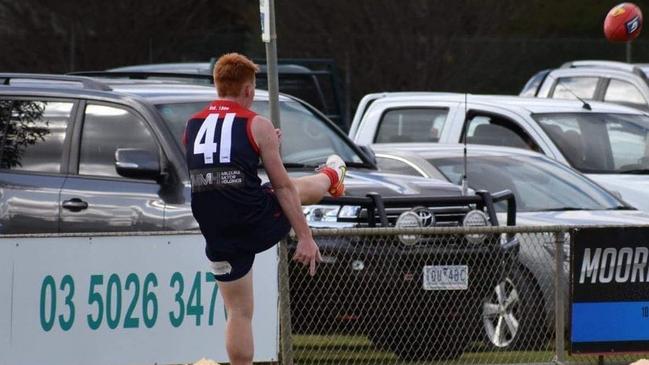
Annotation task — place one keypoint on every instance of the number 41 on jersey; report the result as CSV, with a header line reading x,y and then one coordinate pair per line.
x,y
204,143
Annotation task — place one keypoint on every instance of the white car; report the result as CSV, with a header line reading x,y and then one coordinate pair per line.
x,y
607,142
610,81
547,193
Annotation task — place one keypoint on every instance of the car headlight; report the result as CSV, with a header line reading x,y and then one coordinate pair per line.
x,y
409,219
476,218
329,213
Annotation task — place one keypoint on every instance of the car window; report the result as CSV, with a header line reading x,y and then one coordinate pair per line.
x,y
176,116
600,142
411,125
619,91
306,138
568,87
32,134
497,131
396,166
105,129
537,183
628,144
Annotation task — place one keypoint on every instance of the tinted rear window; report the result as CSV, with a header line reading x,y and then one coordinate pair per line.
x,y
411,125
32,134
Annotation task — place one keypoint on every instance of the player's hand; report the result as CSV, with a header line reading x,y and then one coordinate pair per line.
x,y
308,254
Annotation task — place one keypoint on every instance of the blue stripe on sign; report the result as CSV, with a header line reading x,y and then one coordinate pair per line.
x,y
609,321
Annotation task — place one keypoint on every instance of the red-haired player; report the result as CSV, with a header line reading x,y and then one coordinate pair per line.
x,y
238,216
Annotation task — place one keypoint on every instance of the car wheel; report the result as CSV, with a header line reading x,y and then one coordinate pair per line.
x,y
512,316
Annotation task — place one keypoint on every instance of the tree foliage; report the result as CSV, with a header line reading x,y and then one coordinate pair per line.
x,y
20,128
460,45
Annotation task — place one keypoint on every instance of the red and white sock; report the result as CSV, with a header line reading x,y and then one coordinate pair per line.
x,y
331,174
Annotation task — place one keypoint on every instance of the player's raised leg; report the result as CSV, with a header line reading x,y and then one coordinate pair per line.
x,y
330,178
238,299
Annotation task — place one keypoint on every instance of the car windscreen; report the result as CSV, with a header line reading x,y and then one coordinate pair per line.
x,y
538,184
531,88
600,142
306,138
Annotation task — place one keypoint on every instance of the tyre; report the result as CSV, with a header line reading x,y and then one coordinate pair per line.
x,y
513,316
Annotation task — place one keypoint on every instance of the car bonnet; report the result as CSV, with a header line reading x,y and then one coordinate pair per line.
x,y
360,182
581,218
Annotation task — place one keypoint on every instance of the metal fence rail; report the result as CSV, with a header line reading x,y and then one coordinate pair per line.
x,y
486,295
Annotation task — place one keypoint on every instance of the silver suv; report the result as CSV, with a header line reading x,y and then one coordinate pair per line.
x,y
610,81
79,154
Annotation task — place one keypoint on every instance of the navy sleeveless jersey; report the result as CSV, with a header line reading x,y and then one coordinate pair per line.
x,y
223,159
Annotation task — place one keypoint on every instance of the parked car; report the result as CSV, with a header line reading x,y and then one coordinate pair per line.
x,y
607,142
547,193
315,81
610,81
85,154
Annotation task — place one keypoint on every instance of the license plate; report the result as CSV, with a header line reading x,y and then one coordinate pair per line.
x,y
447,277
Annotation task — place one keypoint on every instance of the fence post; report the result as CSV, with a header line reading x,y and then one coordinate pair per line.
x,y
560,356
285,329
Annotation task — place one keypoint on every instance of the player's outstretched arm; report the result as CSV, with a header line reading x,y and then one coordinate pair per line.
x,y
307,251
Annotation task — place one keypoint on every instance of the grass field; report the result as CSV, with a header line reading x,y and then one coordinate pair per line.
x,y
356,350
352,350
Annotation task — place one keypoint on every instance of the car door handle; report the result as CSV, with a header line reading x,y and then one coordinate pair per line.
x,y
75,204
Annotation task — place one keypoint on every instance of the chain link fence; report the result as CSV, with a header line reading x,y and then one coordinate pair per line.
x,y
434,295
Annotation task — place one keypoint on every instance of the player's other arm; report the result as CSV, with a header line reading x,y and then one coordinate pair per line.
x,y
267,139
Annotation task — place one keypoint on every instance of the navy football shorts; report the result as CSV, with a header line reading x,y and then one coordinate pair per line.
x,y
273,226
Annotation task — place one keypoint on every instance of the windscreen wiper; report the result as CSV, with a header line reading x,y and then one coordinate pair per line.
x,y
297,165
357,164
622,207
562,209
291,165
635,172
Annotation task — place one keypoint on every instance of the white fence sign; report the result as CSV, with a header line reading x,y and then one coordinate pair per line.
x,y
264,12
121,300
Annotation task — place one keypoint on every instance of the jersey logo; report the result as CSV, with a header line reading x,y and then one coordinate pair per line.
x,y
212,179
220,108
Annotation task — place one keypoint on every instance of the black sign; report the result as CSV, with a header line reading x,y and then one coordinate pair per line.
x,y
609,286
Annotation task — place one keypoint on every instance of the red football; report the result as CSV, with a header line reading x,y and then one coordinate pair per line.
x,y
623,23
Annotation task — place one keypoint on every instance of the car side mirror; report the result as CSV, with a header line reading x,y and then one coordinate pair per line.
x,y
369,152
137,163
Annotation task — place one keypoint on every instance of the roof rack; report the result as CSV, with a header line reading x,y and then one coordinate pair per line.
x,y
310,63
85,82
143,75
614,65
